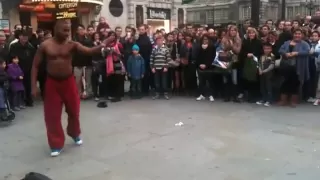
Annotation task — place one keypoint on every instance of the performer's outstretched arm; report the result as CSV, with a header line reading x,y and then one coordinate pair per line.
x,y
38,58
93,50
86,50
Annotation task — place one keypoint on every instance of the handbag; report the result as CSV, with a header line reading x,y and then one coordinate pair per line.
x,y
277,63
288,62
224,60
176,62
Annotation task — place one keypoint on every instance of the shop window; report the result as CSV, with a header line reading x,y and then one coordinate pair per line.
x,y
116,8
289,12
190,17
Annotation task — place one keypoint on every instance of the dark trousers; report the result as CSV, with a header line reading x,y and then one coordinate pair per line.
x,y
170,78
229,87
312,83
161,81
253,90
147,80
266,87
18,98
135,86
291,83
189,77
27,86
95,83
116,85
205,78
103,87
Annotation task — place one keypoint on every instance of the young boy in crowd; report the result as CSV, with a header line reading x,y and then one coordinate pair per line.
x,y
16,84
266,65
159,59
135,70
3,88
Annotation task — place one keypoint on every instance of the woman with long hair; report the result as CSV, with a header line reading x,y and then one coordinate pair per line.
x,y
177,80
230,47
115,69
189,78
204,67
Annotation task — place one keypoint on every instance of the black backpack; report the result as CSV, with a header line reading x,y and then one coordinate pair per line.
x,y
35,176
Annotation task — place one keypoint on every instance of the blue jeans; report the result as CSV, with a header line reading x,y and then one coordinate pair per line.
x,y
161,81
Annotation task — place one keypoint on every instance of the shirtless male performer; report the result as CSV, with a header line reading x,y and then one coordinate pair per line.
x,y
60,86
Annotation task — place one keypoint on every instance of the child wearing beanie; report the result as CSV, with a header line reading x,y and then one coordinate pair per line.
x,y
135,70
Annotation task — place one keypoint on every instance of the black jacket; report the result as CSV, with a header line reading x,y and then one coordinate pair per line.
x,y
79,59
206,56
250,46
4,53
3,78
145,47
25,53
284,36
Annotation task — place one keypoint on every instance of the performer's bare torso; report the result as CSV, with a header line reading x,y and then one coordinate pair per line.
x,y
58,58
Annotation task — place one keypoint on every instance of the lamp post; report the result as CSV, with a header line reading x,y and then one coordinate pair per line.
x,y
283,9
255,12
310,5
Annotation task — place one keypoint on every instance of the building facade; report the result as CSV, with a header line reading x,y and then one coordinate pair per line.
x,y
158,14
219,12
300,7
44,13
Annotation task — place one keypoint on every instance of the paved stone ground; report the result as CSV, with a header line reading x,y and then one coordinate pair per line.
x,y
138,140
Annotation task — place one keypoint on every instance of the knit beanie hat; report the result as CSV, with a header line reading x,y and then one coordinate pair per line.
x,y
135,47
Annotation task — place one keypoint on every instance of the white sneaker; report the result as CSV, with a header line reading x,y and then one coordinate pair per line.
x,y
200,98
311,100
259,102
78,141
267,104
211,99
55,152
316,102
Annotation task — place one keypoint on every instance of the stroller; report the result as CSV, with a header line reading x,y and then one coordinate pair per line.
x,y
6,115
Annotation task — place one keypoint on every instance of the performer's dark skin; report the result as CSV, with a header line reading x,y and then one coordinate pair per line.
x,y
58,51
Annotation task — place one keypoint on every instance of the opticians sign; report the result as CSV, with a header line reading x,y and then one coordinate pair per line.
x,y
158,13
66,15
66,10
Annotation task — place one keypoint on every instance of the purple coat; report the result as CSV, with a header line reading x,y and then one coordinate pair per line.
x,y
14,71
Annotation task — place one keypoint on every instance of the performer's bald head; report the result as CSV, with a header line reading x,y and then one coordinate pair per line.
x,y
62,22
63,28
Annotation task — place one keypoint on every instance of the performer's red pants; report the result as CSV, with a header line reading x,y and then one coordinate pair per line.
x,y
57,93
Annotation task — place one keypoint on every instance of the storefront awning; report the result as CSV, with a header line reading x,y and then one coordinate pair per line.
x,y
99,2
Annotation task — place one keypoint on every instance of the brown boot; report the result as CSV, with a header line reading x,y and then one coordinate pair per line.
x,y
294,100
283,100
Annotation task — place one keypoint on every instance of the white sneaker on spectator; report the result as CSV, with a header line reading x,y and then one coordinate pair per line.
x,y
267,104
211,99
259,102
311,100
316,102
200,98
